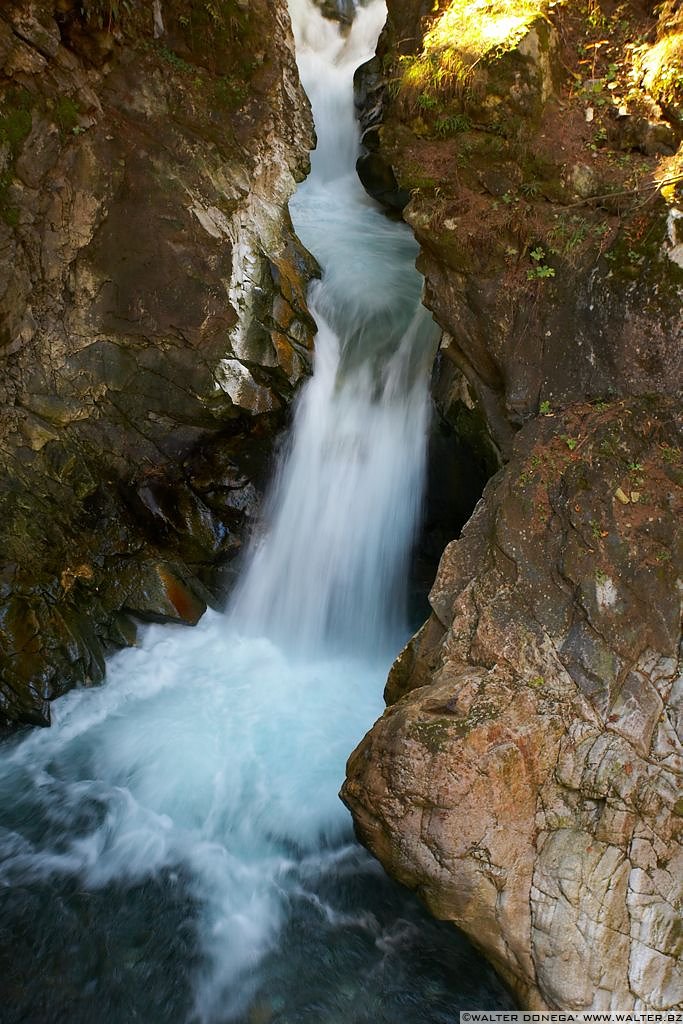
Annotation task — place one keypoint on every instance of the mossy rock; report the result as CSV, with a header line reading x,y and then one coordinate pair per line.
x,y
493,61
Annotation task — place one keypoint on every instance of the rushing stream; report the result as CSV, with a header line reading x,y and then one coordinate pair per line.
x,y
173,849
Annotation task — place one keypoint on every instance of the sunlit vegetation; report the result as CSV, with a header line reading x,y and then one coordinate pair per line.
x,y
465,34
663,63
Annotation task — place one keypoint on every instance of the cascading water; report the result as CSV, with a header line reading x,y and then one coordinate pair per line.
x,y
332,571
173,849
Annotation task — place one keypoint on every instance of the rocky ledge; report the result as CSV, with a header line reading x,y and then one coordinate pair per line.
x,y
153,323
526,776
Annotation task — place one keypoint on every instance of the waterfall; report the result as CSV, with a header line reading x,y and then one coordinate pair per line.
x,y
173,849
331,570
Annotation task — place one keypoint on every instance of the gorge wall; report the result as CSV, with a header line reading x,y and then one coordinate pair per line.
x,y
525,779
526,776
153,323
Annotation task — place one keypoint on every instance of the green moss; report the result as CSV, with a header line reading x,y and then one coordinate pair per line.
x,y
229,93
66,113
413,179
434,735
638,253
438,733
14,127
10,214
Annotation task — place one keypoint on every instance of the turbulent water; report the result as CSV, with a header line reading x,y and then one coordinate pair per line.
x,y
173,849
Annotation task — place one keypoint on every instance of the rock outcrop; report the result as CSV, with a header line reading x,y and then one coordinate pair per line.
x,y
153,323
526,776
545,191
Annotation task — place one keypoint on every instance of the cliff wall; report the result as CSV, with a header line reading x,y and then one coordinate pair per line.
x,y
153,324
526,776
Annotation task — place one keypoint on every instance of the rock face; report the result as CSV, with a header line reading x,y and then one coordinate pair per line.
x,y
551,257
526,776
153,324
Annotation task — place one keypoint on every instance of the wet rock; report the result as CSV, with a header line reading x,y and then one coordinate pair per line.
x,y
158,593
337,10
379,181
368,91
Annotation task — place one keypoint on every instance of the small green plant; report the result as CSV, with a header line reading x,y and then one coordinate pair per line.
x,y
230,93
452,125
544,408
15,125
531,189
174,60
540,272
599,139
426,102
571,442
66,113
669,454
601,577
567,235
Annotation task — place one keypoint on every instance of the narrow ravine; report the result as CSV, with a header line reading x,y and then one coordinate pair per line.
x,y
173,849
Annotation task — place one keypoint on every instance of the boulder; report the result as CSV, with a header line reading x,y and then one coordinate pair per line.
x,y
525,778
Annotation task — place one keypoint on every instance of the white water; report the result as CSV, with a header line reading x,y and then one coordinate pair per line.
x,y
216,754
331,572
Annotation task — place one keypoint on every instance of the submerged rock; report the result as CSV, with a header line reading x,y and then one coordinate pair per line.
x,y
525,778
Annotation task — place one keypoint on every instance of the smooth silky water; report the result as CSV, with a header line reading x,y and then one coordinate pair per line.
x,y
173,849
